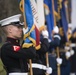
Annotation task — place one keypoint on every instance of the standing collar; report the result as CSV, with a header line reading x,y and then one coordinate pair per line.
x,y
13,41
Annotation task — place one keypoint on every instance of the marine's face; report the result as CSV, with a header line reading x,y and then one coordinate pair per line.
x,y
15,31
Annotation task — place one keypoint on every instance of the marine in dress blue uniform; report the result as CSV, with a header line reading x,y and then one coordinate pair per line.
x,y
73,57
13,56
53,44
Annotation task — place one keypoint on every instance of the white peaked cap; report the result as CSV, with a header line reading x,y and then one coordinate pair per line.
x,y
56,29
15,18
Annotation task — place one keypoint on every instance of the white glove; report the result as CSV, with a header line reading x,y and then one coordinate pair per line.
x,y
49,70
67,54
59,60
67,48
72,52
25,30
56,29
49,40
45,33
46,11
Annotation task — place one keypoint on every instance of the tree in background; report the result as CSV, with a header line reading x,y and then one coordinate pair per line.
x,y
8,8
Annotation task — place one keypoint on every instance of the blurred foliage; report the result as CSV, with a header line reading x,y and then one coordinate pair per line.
x,y
8,8
2,70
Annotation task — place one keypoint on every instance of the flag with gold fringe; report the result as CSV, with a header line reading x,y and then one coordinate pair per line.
x,y
29,36
32,36
39,18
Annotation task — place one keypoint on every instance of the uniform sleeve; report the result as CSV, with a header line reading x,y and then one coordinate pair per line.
x,y
55,42
23,53
44,46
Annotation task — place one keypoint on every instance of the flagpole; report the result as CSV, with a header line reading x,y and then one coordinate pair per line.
x,y
31,71
24,15
66,7
53,12
47,61
30,61
58,55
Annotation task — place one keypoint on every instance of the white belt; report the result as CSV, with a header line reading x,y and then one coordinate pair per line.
x,y
39,66
18,73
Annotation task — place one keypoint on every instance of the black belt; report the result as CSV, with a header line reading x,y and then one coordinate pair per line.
x,y
16,70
